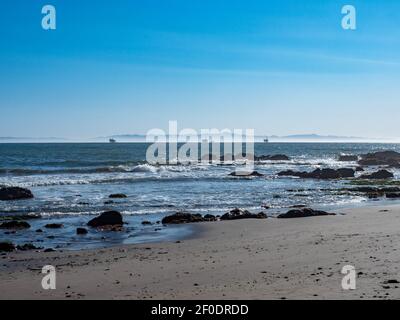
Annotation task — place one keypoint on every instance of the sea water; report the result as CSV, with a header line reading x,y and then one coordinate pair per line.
x,y
72,183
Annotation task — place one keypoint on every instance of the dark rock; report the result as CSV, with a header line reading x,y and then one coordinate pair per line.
x,y
118,196
291,173
392,195
27,246
21,217
182,217
281,157
81,231
320,174
108,202
276,157
381,174
15,225
246,174
6,247
390,158
53,226
15,193
146,223
367,189
109,218
346,172
391,281
374,195
325,174
302,213
236,214
39,230
348,158
359,169
210,217
49,250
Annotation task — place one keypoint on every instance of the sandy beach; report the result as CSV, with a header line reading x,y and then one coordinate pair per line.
x,y
273,258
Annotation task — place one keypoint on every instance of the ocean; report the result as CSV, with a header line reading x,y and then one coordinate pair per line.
x,y
72,183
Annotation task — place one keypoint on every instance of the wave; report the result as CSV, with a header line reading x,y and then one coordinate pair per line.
x,y
104,180
145,168
138,168
108,169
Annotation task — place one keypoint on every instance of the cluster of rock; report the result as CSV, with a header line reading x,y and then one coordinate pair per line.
x,y
377,192
341,173
381,158
378,175
321,173
186,217
237,214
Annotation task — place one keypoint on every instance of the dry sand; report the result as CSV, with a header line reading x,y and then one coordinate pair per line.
x,y
248,259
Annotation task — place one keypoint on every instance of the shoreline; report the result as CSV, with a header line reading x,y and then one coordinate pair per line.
x,y
297,258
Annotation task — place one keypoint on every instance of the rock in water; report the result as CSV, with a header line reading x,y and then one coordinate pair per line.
x,y
237,214
15,225
275,157
392,195
6,247
302,213
118,196
182,217
81,231
15,193
391,158
324,174
53,226
381,174
346,172
109,218
345,157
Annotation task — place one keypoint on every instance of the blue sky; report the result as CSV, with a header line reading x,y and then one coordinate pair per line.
x,y
126,66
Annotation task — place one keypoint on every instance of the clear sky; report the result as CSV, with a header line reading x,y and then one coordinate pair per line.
x,y
126,66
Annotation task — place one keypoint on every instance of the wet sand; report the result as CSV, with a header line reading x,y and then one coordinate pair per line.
x,y
249,259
